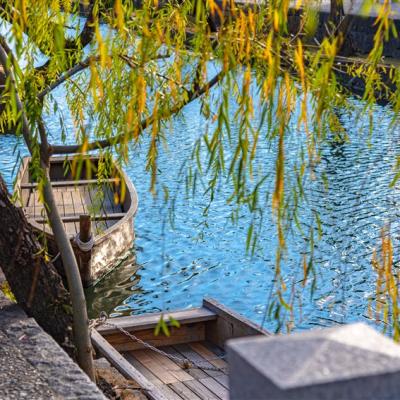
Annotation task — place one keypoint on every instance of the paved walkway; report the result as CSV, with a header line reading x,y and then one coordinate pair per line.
x,y
32,365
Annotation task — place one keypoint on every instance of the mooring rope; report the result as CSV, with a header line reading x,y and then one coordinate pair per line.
x,y
84,246
185,363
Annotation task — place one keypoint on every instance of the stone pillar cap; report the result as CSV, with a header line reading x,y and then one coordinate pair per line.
x,y
320,356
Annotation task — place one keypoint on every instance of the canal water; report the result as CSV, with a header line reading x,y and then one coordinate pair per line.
x,y
177,265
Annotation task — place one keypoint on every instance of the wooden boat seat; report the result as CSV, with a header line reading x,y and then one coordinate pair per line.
x,y
75,198
75,218
70,183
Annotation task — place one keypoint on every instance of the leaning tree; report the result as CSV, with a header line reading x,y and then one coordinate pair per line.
x,y
128,68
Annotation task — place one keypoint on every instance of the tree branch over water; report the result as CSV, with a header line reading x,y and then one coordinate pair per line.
x,y
104,143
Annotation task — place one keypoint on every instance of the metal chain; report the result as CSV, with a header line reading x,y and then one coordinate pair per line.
x,y
185,363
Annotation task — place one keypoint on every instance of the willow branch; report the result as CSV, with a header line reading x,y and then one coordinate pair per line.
x,y
5,59
83,65
66,75
101,144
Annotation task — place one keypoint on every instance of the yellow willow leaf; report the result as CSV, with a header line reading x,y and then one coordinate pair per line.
x,y
305,268
93,82
288,95
84,146
123,192
130,115
23,12
300,62
101,45
276,20
141,84
251,22
119,13
280,171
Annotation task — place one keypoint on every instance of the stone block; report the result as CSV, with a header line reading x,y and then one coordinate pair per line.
x,y
342,363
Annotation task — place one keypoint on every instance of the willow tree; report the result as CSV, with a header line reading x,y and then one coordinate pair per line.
x,y
129,69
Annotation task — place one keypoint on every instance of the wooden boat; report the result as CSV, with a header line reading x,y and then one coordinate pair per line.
x,y
187,364
102,212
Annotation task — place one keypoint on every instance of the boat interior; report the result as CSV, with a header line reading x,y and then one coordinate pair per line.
x,y
188,363
77,191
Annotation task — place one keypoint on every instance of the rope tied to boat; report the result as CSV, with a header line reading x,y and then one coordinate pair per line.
x,y
185,363
84,246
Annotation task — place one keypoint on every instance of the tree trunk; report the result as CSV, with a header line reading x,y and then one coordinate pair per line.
x,y
341,25
35,283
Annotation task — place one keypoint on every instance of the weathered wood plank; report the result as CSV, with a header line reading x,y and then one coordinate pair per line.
x,y
124,367
215,387
216,381
75,218
208,355
197,373
229,324
184,334
171,367
150,320
183,391
82,194
200,390
57,183
169,393
150,361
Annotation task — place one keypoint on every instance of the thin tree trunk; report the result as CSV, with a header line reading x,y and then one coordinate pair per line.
x,y
35,283
79,311
81,320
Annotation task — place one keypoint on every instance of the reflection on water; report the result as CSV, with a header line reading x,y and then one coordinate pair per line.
x,y
205,256
118,284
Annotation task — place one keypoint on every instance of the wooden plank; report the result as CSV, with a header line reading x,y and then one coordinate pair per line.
x,y
150,361
75,218
200,390
198,373
71,183
183,391
96,205
173,368
69,210
208,355
82,191
59,201
171,394
145,321
70,229
183,334
216,381
228,324
75,207
110,196
215,387
124,367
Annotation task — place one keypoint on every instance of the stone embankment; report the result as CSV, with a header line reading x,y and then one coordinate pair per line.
x,y
32,365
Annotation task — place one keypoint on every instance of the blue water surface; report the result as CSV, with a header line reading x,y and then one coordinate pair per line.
x,y
177,265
